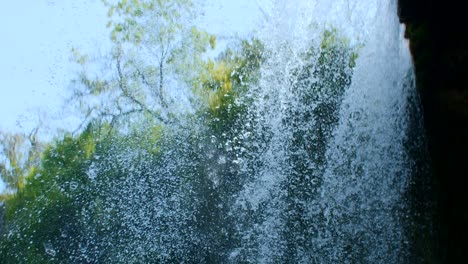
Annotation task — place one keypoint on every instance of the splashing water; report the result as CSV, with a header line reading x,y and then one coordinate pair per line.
x,y
315,167
328,184
314,172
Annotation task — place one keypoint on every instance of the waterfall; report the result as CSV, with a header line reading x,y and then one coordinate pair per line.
x,y
309,149
315,169
327,183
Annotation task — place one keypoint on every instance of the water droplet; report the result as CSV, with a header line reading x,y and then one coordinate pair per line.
x,y
73,186
49,250
314,181
91,173
222,160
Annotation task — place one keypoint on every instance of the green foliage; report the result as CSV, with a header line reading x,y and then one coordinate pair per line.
x,y
62,212
129,20
78,57
19,156
42,218
223,82
156,48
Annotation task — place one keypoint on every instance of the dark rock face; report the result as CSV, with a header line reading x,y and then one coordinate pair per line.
x,y
438,40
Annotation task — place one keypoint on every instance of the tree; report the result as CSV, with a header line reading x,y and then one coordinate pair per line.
x,y
43,219
20,154
156,54
223,83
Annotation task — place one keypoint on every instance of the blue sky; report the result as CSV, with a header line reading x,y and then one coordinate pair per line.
x,y
36,38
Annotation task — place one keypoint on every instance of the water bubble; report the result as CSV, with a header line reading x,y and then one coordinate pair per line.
x,y
222,160
73,185
356,115
49,250
314,181
91,173
228,147
210,154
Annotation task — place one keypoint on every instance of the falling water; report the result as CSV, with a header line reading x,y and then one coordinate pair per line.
x,y
328,183
316,168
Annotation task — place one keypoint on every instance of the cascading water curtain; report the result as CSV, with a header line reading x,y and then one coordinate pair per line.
x,y
313,159
330,171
